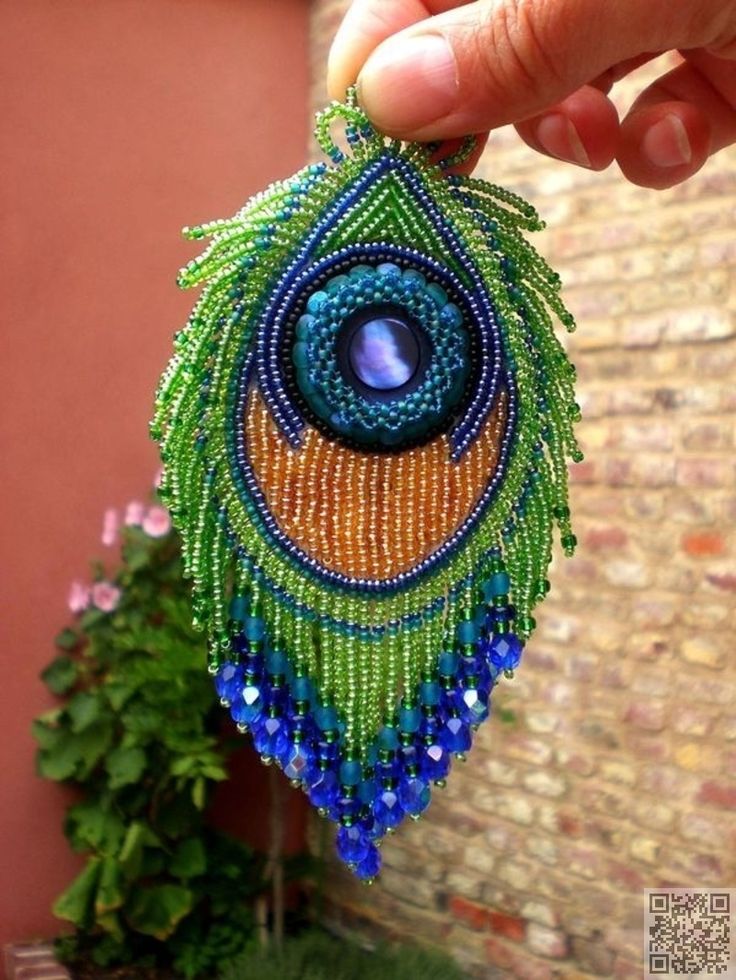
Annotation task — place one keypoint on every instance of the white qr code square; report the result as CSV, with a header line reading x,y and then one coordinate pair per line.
x,y
690,933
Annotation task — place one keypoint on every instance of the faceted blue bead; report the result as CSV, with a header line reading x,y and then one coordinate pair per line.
x,y
448,663
466,631
240,643
254,628
299,762
371,757
414,794
248,707
455,735
323,788
429,727
434,762
369,867
409,718
430,692
350,772
388,738
239,608
388,769
408,756
388,809
471,666
473,705
326,717
504,651
352,844
271,738
346,807
229,681
328,751
372,828
253,663
277,697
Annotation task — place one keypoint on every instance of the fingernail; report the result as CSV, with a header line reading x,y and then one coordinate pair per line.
x,y
558,136
410,82
666,143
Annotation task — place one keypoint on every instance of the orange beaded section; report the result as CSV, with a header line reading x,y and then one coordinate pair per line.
x,y
368,515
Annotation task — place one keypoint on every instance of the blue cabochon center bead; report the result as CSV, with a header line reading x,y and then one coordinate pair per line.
x,y
384,353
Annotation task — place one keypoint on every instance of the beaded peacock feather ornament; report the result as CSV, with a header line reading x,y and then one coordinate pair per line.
x,y
364,430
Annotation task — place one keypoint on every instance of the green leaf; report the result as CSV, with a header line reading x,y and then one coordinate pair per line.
x,y
125,766
92,825
156,911
74,754
189,859
117,693
45,730
199,792
60,675
138,836
76,903
68,639
110,893
84,710
177,817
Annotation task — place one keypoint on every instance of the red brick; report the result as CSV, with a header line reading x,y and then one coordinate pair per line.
x,y
605,538
510,926
703,543
472,914
646,714
726,582
498,953
719,794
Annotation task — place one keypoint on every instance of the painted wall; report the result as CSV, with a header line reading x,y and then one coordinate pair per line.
x,y
124,120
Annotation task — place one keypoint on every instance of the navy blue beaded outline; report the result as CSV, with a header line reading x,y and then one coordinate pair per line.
x,y
269,342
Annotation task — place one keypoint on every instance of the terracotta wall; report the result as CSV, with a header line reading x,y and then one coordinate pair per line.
x,y
615,770
123,121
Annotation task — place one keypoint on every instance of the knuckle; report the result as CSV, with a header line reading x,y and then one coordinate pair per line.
x,y
513,48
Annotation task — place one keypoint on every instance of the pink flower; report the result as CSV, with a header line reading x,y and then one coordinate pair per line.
x,y
110,525
134,513
79,596
157,522
105,596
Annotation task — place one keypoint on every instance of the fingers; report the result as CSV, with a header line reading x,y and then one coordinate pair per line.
x,y
679,121
366,24
582,129
483,64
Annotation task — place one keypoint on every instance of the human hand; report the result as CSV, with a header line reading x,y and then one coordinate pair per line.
x,y
438,69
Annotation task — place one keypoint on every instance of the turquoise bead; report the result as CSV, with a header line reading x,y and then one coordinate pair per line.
x,y
466,632
254,628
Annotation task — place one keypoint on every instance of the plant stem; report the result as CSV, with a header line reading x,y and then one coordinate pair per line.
x,y
276,854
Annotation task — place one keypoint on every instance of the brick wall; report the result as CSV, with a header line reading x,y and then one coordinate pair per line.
x,y
615,769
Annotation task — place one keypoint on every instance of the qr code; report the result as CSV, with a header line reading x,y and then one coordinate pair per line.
x,y
689,933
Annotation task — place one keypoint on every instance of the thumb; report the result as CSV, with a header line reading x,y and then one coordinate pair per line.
x,y
484,64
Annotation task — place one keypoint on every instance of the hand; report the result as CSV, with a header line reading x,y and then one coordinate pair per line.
x,y
438,69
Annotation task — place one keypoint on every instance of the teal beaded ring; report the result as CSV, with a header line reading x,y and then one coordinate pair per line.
x,y
364,429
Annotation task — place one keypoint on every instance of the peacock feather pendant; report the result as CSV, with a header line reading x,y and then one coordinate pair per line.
x,y
364,430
